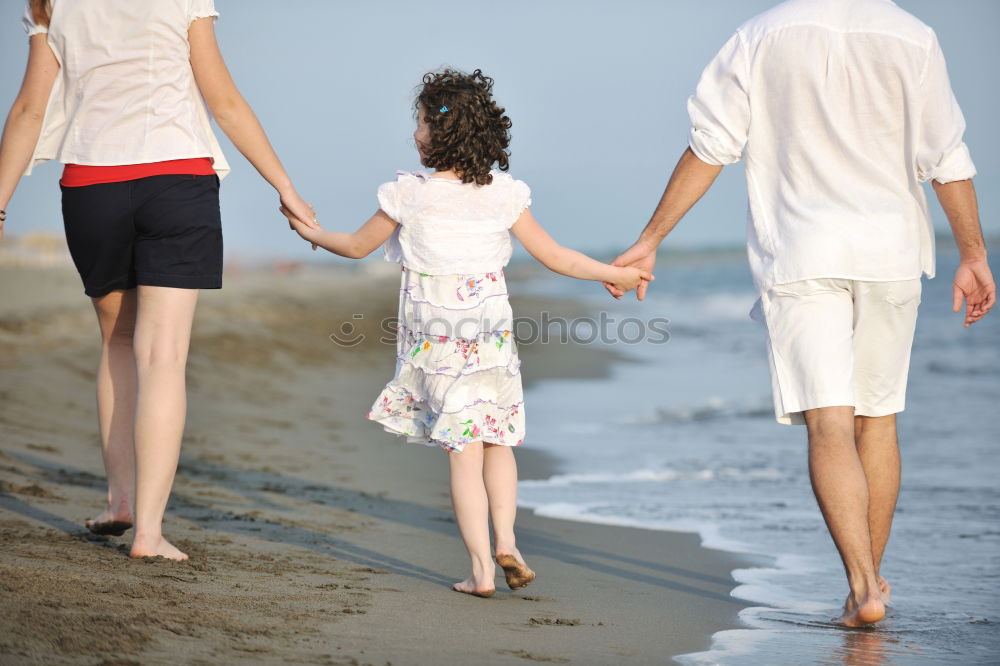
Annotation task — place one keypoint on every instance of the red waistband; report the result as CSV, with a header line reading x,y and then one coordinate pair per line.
x,y
79,175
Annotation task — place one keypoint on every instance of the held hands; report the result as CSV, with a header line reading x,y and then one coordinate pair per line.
x,y
631,277
301,215
641,256
307,232
974,283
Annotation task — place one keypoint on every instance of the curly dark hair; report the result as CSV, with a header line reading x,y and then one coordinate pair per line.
x,y
469,131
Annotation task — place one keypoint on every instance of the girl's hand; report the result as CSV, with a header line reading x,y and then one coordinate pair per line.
x,y
630,278
640,255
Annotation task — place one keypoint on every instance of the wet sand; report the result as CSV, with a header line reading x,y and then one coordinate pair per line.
x,y
315,537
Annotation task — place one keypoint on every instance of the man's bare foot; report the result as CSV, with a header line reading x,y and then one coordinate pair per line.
x,y
156,548
476,588
110,522
886,589
869,611
517,573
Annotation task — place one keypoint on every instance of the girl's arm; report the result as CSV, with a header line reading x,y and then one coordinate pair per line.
x,y
235,117
24,122
358,245
569,262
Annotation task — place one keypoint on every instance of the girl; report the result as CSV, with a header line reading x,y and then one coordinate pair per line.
x,y
114,89
457,382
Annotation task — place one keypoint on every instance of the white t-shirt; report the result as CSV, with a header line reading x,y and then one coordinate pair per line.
x,y
447,226
125,93
840,109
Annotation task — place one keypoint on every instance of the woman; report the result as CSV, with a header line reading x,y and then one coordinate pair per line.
x,y
115,90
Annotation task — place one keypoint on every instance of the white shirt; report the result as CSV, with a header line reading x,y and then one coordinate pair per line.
x,y
125,93
840,108
448,227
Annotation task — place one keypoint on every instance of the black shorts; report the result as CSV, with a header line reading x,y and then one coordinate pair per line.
x,y
160,231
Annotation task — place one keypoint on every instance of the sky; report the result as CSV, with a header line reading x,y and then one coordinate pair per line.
x,y
596,90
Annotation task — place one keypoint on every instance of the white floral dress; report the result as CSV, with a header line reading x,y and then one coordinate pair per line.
x,y
457,374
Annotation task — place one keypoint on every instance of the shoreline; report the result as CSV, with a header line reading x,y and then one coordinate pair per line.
x,y
314,535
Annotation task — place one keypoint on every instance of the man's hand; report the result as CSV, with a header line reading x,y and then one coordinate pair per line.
x,y
974,283
641,256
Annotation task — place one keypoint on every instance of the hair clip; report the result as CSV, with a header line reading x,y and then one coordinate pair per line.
x,y
443,109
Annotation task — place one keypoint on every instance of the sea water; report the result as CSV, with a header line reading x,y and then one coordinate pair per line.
x,y
685,439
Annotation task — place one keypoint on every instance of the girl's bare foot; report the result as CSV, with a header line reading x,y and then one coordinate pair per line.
x,y
159,547
110,522
517,573
869,611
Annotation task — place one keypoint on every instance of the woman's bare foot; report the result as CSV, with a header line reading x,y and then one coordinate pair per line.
x,y
869,611
476,588
110,522
517,573
156,548
480,583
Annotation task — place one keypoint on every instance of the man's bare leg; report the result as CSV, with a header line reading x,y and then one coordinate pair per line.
x,y
841,488
878,448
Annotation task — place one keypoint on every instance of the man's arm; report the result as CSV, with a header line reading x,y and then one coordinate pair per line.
x,y
690,180
720,126
973,279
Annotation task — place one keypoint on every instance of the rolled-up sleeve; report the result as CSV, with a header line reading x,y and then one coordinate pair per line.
x,y
941,152
720,106
28,21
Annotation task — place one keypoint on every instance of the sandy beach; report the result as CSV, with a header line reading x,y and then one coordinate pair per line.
x,y
315,537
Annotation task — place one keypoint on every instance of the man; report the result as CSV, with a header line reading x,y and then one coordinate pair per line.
x,y
840,109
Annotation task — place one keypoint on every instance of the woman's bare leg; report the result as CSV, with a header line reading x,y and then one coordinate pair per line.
x,y
500,479
162,337
468,497
116,387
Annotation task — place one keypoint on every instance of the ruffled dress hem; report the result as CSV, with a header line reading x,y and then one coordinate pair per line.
x,y
457,376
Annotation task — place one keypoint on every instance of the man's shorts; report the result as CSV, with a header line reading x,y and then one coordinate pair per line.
x,y
834,342
161,231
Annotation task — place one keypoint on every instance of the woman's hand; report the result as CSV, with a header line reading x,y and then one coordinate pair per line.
x,y
307,232
630,278
295,208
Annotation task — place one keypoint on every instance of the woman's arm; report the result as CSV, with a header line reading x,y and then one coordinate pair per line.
x,y
24,122
569,262
235,117
358,245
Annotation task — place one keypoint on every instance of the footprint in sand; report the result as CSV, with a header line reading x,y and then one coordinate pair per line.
x,y
33,490
524,654
557,622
